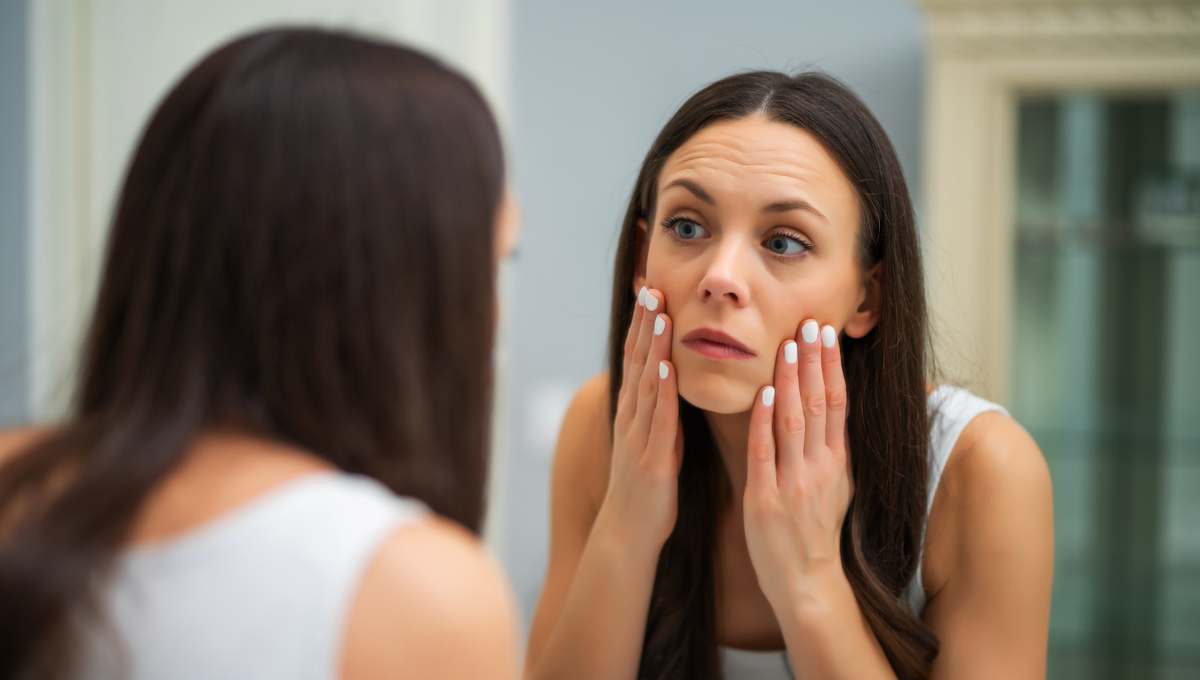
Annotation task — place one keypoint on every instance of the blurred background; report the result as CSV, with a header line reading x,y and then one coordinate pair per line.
x,y
1052,148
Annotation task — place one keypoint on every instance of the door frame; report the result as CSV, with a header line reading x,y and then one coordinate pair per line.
x,y
983,55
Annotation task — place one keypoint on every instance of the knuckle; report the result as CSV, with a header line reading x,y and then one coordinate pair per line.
x,y
636,367
761,452
815,404
796,489
794,423
838,399
646,387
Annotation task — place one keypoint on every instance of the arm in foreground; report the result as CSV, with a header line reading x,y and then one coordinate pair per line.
x,y
613,505
582,605
434,605
990,555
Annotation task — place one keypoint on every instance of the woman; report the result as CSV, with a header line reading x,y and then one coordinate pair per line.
x,y
765,486
298,286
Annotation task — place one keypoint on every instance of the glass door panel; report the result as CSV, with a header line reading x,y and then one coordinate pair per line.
x,y
1106,371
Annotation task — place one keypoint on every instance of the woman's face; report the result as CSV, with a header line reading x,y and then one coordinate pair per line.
x,y
754,232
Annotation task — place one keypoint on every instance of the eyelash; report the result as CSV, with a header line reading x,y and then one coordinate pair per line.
x,y
669,223
798,238
668,226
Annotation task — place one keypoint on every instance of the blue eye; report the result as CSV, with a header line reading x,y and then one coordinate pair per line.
x,y
688,230
785,245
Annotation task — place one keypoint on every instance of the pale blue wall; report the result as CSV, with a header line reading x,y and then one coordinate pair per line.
x,y
14,125
593,83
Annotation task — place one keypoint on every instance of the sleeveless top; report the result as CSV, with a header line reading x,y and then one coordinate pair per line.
x,y
262,592
950,410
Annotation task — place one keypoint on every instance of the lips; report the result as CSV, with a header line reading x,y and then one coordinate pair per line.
x,y
714,344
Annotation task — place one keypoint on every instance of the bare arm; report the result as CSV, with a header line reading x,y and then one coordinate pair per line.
x,y
990,555
590,601
432,605
612,507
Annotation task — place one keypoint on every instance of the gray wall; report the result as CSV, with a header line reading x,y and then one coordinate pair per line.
x,y
14,125
593,83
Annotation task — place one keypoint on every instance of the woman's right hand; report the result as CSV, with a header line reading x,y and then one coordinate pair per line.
x,y
640,505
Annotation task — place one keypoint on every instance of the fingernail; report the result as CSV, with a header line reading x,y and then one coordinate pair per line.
x,y
828,336
809,332
789,352
642,296
651,302
663,370
659,325
768,396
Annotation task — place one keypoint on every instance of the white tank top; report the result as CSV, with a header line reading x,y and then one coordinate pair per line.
x,y
262,592
950,409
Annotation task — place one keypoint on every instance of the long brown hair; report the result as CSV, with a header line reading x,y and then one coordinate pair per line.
x,y
302,250
885,376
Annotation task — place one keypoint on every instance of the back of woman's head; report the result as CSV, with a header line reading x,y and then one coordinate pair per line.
x,y
302,251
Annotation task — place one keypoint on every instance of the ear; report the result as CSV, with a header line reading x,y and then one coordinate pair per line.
x,y
867,314
508,226
639,259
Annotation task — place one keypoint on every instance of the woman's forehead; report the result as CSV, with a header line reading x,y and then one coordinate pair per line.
x,y
756,155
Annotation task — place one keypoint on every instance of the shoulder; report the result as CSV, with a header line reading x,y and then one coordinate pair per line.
x,y
994,497
995,457
589,407
432,604
15,440
581,457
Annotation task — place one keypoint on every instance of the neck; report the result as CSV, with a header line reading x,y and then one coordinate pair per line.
x,y
731,434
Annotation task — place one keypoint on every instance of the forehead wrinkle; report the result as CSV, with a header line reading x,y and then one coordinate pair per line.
x,y
800,165
786,165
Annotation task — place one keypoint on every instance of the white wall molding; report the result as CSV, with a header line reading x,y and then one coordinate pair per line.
x,y
984,54
975,28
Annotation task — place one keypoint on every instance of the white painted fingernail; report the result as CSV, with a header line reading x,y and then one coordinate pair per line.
x,y
768,396
651,302
789,352
659,326
663,370
642,296
828,337
809,332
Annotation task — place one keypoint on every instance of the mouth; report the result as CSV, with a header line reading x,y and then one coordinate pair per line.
x,y
714,344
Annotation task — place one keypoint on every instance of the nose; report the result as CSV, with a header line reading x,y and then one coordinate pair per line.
x,y
725,280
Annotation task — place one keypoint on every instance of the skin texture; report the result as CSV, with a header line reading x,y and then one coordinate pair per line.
x,y
988,559
432,603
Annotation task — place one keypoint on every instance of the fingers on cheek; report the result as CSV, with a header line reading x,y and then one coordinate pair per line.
x,y
662,334
763,444
667,403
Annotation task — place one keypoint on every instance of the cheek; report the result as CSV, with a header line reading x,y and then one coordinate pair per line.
x,y
827,299
667,275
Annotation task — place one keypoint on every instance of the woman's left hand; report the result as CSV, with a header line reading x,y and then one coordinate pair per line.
x,y
798,485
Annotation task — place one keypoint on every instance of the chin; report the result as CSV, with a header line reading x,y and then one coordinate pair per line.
x,y
716,393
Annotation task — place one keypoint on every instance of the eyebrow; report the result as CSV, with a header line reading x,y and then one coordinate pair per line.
x,y
692,187
788,206
777,207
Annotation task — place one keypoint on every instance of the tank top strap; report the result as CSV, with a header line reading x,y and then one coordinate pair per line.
x,y
951,409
